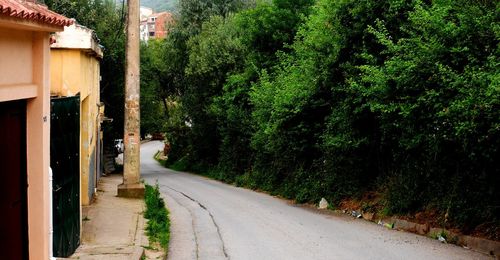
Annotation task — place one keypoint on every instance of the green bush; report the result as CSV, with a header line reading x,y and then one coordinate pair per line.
x,y
328,98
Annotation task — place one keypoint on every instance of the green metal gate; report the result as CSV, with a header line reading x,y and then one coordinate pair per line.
x,y
65,162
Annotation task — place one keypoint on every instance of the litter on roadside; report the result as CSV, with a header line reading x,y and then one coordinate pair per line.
x,y
323,204
356,214
387,225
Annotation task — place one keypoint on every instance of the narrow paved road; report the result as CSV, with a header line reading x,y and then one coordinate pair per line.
x,y
212,220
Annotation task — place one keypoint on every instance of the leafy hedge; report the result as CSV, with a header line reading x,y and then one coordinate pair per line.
x,y
334,98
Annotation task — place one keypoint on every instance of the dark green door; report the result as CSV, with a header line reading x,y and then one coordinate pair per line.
x,y
65,164
13,194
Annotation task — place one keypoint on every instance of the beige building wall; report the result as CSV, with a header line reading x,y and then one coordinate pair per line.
x,y
17,59
24,74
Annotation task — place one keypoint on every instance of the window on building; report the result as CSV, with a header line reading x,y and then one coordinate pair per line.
x,y
151,34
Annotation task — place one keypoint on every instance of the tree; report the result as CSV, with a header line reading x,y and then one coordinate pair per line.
x,y
153,98
334,99
436,98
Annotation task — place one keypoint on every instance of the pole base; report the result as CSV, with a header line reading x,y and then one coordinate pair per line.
x,y
135,190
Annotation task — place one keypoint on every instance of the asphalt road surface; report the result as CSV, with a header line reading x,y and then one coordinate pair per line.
x,y
211,220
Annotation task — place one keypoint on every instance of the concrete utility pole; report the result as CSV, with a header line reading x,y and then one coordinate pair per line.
x,y
131,186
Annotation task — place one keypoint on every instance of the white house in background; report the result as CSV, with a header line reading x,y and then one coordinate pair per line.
x,y
144,13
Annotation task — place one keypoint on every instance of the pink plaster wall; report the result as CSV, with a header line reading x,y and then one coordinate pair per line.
x,y
15,57
24,70
38,142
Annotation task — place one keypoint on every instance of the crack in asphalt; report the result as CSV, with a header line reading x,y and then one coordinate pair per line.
x,y
192,220
218,232
211,217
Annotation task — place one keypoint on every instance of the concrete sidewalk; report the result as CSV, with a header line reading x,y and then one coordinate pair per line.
x,y
113,227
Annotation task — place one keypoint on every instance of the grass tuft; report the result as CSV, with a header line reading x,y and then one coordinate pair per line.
x,y
158,226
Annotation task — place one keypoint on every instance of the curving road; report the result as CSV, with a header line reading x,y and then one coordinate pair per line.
x,y
211,220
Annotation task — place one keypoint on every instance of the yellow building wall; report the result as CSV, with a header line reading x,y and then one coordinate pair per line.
x,y
85,150
64,72
74,71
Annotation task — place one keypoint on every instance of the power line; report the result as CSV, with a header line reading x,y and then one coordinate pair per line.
x,y
122,21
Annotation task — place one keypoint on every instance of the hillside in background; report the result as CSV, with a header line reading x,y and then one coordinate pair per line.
x,y
160,5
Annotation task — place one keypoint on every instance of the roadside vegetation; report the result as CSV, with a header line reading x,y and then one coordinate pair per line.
x,y
158,226
159,158
392,104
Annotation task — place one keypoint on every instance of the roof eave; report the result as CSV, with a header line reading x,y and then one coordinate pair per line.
x,y
29,25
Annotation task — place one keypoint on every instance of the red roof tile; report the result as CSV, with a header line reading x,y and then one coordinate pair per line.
x,y
30,10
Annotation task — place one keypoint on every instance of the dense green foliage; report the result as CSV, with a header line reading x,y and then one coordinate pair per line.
x,y
153,93
335,98
158,226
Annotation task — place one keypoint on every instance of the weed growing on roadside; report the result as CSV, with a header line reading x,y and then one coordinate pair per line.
x,y
159,160
158,227
180,165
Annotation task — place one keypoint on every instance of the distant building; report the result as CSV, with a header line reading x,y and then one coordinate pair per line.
x,y
145,12
156,26
162,24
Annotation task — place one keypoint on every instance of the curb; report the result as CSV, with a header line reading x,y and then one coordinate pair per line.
x,y
481,245
486,246
138,253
